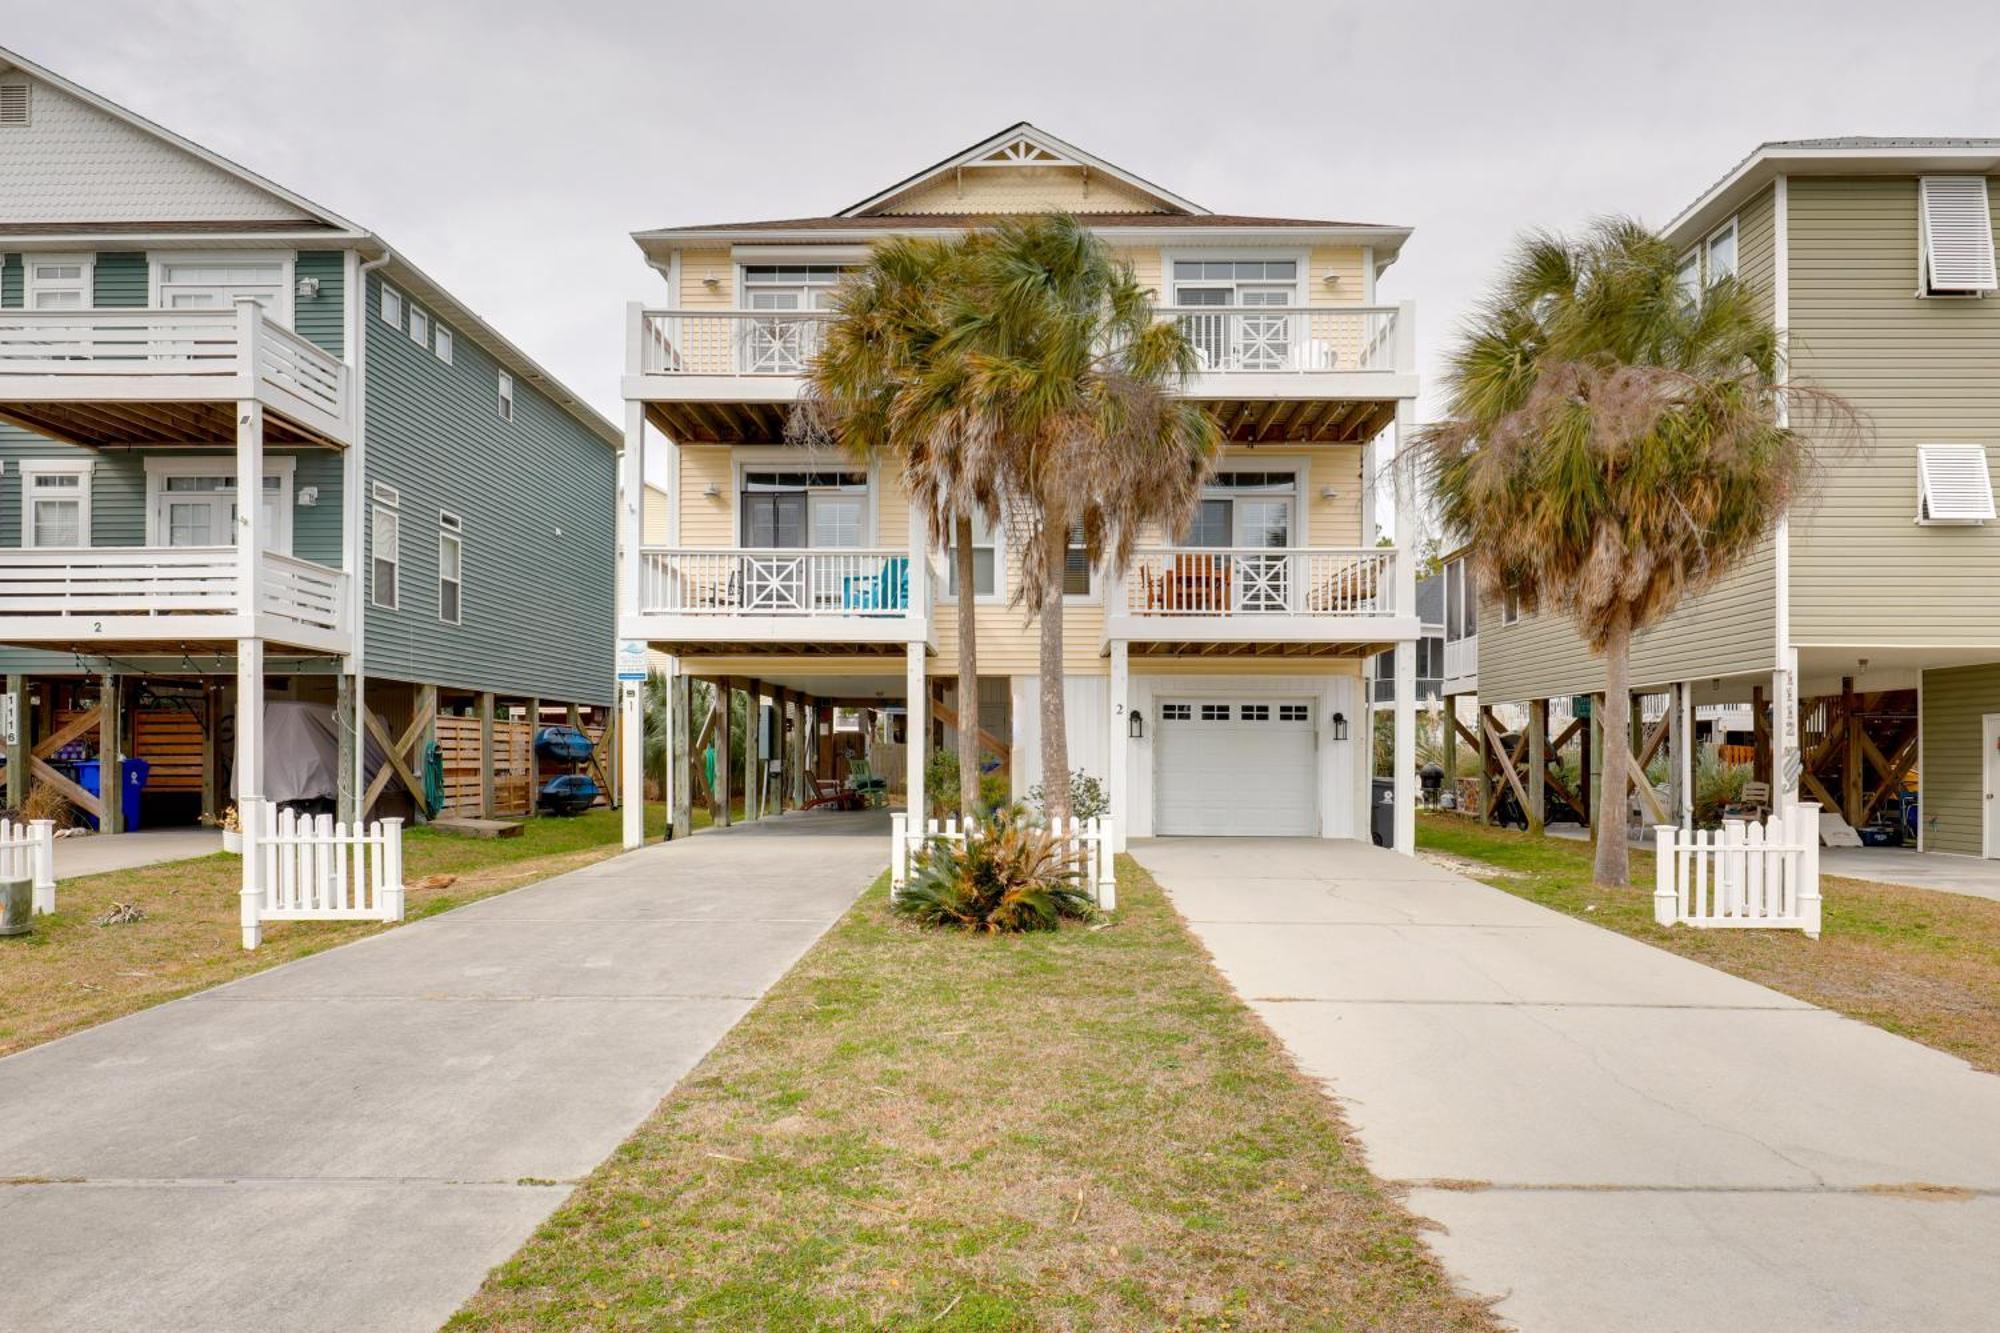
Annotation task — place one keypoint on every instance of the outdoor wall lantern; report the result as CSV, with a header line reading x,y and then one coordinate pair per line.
x,y
1135,725
1340,726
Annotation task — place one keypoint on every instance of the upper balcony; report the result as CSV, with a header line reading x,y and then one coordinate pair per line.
x,y
168,377
107,599
842,599
1324,373
1310,600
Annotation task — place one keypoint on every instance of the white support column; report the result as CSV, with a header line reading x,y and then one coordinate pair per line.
x,y
1405,749
918,690
632,761
1684,750
249,647
1118,745
630,524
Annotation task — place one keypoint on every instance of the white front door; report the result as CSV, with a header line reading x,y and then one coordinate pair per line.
x,y
194,504
1237,766
1990,772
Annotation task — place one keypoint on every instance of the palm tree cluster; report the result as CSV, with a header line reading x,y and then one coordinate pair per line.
x,y
1615,442
1018,375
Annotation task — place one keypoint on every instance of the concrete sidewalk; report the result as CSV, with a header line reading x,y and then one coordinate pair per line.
x,y
1613,1137
351,1141
96,853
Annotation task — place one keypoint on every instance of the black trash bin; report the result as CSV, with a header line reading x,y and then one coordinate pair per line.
x,y
1382,813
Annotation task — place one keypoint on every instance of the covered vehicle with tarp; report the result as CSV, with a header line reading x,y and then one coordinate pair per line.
x,y
302,755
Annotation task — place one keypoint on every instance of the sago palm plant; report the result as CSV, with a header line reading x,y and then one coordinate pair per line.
x,y
1009,874
1614,443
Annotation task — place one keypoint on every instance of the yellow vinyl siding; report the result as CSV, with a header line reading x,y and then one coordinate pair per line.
x,y
1923,371
1955,703
1021,190
699,265
707,522
1347,265
655,526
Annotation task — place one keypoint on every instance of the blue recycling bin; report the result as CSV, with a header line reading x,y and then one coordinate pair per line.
x,y
135,773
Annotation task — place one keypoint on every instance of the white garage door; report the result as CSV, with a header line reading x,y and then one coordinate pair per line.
x,y
1236,767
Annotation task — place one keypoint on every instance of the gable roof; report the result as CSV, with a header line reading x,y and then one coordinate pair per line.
x,y
1025,145
317,225
1844,155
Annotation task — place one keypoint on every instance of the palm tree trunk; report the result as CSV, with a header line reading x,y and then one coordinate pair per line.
x,y
1613,859
968,672
1055,735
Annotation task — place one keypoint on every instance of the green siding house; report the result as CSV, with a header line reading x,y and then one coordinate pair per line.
x,y
433,544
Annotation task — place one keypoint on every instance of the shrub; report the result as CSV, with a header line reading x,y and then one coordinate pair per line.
x,y
941,787
1009,875
1087,797
1717,786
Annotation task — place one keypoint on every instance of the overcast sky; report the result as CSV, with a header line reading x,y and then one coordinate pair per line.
x,y
511,147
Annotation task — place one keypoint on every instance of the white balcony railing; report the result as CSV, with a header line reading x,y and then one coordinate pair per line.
x,y
1252,339
170,354
1461,663
826,583
152,591
1259,581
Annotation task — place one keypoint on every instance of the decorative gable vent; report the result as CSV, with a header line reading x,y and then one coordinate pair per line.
x,y
1953,485
14,103
1023,152
1956,226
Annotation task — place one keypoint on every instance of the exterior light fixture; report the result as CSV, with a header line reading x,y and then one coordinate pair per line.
x,y
307,289
1135,725
1340,726
712,491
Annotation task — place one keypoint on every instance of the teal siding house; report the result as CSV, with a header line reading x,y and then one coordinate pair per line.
x,y
431,555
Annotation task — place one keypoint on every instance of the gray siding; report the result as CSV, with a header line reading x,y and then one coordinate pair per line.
x,y
537,498
319,319
1730,629
1923,371
120,278
1955,702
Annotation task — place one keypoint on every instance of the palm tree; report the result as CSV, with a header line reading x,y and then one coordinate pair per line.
x,y
1064,384
880,385
1614,444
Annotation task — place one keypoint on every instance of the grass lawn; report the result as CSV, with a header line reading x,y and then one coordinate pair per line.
x,y
1920,963
71,973
1081,1129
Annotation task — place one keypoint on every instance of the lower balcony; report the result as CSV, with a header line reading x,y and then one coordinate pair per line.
x,y
1250,600
109,599
844,600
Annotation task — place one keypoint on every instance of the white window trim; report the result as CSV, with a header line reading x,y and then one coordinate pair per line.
x,y
451,528
1708,245
1698,252
948,555
782,458
1967,450
158,469
87,285
418,313
287,261
503,396
1301,470
443,342
1510,609
1925,291
402,303
1302,285
30,469
379,513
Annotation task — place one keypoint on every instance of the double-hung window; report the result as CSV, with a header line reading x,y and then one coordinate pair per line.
x,y
985,560
1244,340
505,402
1708,263
385,552
59,282
55,502
451,568
420,327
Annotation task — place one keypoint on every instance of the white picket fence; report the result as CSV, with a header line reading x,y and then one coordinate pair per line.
x,y
28,851
1087,845
310,868
1742,876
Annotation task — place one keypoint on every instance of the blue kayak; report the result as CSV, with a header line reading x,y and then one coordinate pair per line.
x,y
564,745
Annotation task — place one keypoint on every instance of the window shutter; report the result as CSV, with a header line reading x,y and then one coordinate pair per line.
x,y
1958,234
1953,485
13,103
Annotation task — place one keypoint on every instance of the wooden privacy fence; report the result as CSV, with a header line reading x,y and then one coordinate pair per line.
x,y
313,869
28,851
1743,875
1086,845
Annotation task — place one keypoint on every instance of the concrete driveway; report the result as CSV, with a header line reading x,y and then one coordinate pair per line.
x,y
351,1141
1611,1136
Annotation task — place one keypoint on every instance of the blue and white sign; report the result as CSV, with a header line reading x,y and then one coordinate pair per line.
x,y
631,659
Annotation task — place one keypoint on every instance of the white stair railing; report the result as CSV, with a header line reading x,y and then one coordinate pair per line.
x,y
1742,876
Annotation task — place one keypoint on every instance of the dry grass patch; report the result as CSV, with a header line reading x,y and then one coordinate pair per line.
x,y
1077,1129
72,973
1918,962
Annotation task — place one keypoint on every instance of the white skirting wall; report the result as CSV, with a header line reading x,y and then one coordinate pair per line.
x,y
1085,701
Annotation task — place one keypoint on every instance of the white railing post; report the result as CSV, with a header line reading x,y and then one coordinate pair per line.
x,y
392,878
1666,877
42,837
249,820
1731,867
1805,835
899,851
1107,869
